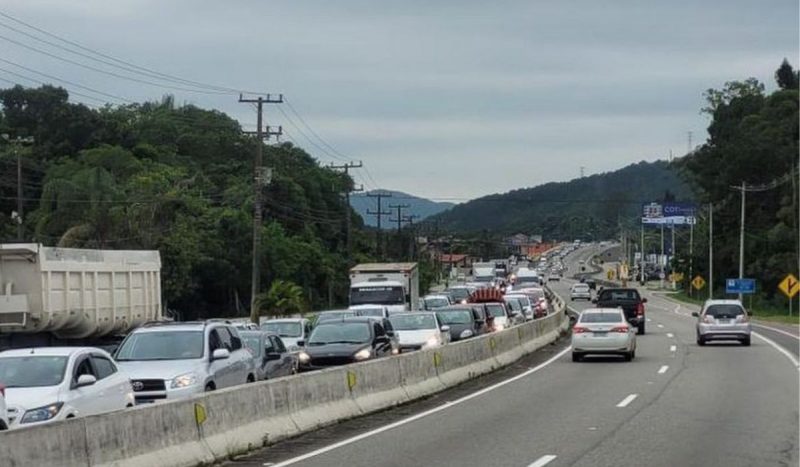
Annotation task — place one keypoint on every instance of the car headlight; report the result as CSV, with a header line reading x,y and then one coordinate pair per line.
x,y
42,413
294,348
303,357
499,326
363,354
183,381
432,342
465,333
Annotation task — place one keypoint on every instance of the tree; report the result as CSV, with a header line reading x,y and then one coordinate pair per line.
x,y
283,298
786,77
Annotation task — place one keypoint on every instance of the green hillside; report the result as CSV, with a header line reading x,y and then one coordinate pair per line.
x,y
569,209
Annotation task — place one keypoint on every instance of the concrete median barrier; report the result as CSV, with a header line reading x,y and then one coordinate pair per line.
x,y
218,425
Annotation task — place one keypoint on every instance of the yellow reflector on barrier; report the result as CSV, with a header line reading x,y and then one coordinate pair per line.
x,y
492,343
351,380
200,414
437,359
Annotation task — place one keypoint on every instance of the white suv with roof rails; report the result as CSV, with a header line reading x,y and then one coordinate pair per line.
x,y
176,360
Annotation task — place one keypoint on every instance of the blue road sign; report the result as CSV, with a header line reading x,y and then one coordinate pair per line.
x,y
740,286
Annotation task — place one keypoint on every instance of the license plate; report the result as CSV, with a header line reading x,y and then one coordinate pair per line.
x,y
724,321
600,334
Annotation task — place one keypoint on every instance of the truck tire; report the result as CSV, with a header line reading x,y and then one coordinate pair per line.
x,y
641,329
700,340
576,357
746,341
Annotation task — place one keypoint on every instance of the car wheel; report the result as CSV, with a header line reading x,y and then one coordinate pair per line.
x,y
641,329
250,379
210,387
576,357
700,340
628,356
633,354
746,341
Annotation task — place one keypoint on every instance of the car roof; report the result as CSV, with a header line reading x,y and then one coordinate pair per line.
x,y
49,351
330,312
187,326
285,320
413,313
723,302
253,332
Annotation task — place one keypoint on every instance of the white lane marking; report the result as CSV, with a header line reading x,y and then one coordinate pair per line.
x,y
544,460
627,400
780,331
663,369
669,334
648,320
673,348
420,415
660,325
779,349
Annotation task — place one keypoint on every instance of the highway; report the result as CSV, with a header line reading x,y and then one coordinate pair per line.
x,y
676,404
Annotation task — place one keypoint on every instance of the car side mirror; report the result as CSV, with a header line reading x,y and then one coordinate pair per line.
x,y
301,343
644,300
695,314
85,380
220,354
273,356
445,328
594,300
390,333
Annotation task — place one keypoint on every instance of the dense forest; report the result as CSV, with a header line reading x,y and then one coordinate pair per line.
x,y
753,139
586,208
177,179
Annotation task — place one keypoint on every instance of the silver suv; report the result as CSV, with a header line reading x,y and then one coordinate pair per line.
x,y
723,320
175,360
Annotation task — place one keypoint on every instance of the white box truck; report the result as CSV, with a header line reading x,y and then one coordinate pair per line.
x,y
395,285
68,296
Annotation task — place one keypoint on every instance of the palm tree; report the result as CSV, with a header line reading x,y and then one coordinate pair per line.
x,y
283,298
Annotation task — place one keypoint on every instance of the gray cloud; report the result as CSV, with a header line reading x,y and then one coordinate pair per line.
x,y
448,99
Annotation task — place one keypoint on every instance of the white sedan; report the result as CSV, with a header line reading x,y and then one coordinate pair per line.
x,y
580,291
603,331
3,409
53,383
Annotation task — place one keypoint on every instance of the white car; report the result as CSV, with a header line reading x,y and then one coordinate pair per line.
x,y
3,409
54,383
580,291
376,311
525,301
434,301
419,330
292,331
603,331
176,360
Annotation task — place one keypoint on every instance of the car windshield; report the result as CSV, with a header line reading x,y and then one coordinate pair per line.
x,y
32,371
334,315
454,316
615,295
162,345
524,301
527,280
413,321
513,304
484,278
253,344
580,288
283,329
377,312
436,302
610,317
724,311
496,310
459,294
384,294
344,333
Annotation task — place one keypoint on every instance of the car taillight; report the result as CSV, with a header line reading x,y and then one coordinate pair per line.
x,y
620,329
3,389
579,329
708,319
742,319
640,309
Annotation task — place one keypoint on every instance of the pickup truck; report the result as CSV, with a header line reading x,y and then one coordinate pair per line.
x,y
629,300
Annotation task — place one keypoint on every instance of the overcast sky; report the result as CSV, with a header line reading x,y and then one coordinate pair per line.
x,y
439,98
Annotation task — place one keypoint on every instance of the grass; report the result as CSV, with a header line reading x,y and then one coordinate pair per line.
x,y
758,310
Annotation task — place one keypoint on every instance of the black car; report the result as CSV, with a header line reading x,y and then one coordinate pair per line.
x,y
462,321
344,341
628,299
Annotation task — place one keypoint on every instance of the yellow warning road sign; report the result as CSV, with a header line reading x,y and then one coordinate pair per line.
x,y
789,286
698,282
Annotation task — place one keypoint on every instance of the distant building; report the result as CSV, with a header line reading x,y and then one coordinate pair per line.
x,y
520,243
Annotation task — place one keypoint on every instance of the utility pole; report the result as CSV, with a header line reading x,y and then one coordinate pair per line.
x,y
346,167
413,244
661,259
689,142
710,251
672,257
641,258
583,171
261,179
400,218
16,143
743,189
691,251
379,214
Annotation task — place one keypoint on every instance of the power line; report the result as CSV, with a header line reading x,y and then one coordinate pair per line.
x,y
143,70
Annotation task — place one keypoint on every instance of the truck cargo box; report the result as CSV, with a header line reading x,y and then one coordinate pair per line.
x,y
77,293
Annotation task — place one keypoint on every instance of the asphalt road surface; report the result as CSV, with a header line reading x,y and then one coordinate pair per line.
x,y
676,404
